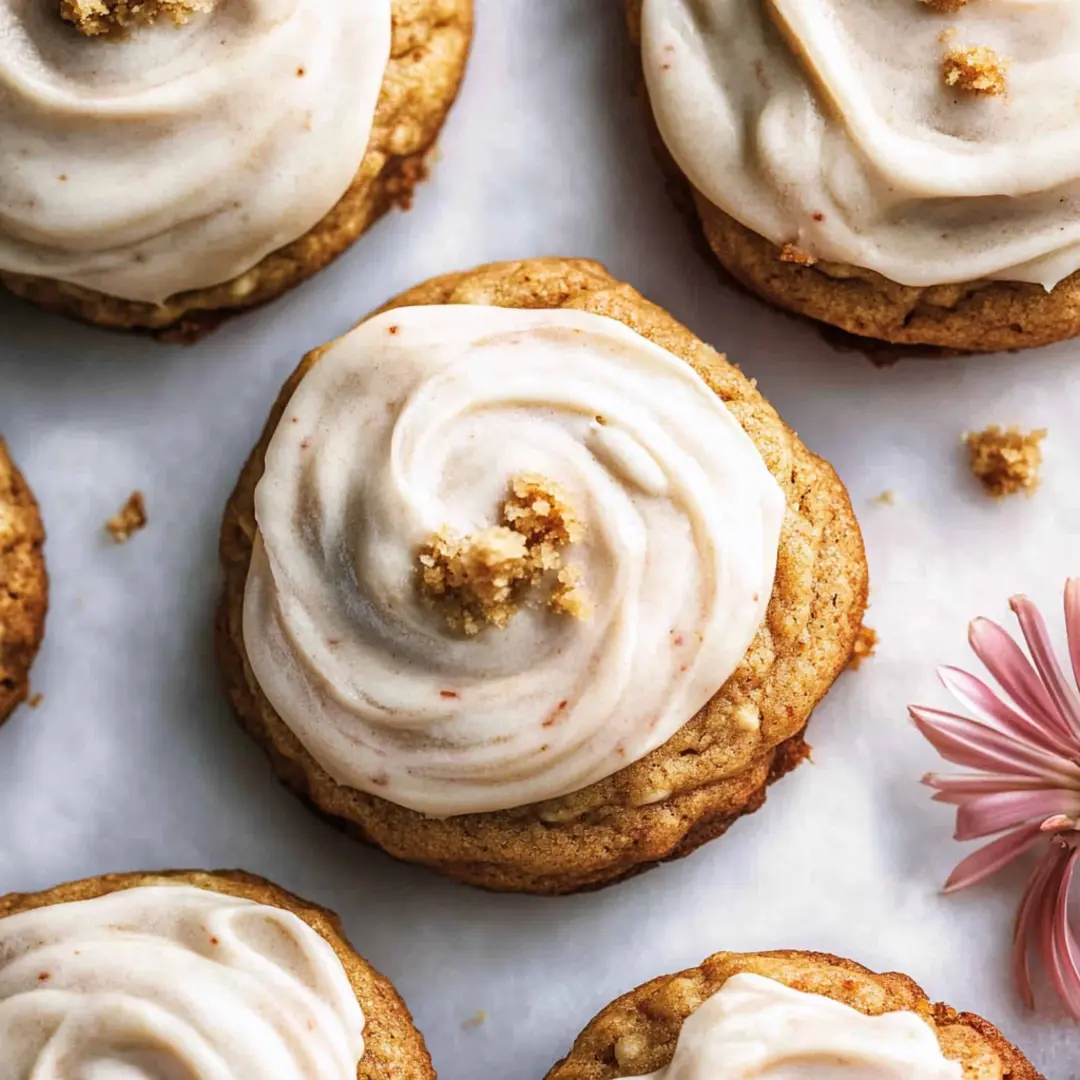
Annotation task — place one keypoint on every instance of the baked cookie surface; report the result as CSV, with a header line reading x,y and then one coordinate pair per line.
x,y
983,314
429,49
392,1045
24,590
636,1035
717,766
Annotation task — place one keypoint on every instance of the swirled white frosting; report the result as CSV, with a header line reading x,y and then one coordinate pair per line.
x,y
172,981
419,419
755,1028
828,124
175,158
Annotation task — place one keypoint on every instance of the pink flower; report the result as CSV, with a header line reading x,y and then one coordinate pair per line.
x,y
1025,744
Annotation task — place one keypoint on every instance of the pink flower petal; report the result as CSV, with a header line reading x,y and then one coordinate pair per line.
x,y
1053,931
992,857
1005,660
1072,623
1024,930
984,783
983,815
980,700
1065,956
967,742
1042,652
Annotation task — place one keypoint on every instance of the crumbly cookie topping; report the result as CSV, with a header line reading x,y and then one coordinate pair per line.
x,y
1006,461
976,70
96,17
480,580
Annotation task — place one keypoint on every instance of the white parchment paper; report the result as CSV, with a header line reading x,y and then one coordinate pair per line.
x,y
132,760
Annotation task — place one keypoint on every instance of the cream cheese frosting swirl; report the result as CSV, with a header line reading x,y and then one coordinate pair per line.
x,y
175,158
829,124
755,1028
417,420
173,981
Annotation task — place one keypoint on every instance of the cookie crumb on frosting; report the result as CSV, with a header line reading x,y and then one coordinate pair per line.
x,y
130,519
976,70
1005,461
479,579
96,17
865,645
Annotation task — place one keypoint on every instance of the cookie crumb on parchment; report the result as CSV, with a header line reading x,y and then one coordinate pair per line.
x,y
1005,461
130,519
478,1019
886,498
865,646
96,17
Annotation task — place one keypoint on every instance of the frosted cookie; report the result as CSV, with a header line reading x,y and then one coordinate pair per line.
x,y
193,974
24,587
166,164
923,194
527,584
775,1014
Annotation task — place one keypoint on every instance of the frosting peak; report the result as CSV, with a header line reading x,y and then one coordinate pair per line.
x,y
416,424
167,159
837,127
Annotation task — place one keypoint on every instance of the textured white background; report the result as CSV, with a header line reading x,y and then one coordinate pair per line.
x,y
132,761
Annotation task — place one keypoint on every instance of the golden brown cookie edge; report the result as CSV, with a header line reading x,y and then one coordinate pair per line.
x,y
392,1044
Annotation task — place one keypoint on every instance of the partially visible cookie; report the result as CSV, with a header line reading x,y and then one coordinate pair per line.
x,y
944,239
429,48
637,1034
24,590
185,937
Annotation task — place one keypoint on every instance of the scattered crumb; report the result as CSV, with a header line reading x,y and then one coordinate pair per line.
x,y
1005,461
792,253
476,1021
479,579
96,17
36,700
569,597
946,7
539,510
977,70
130,519
886,498
865,646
